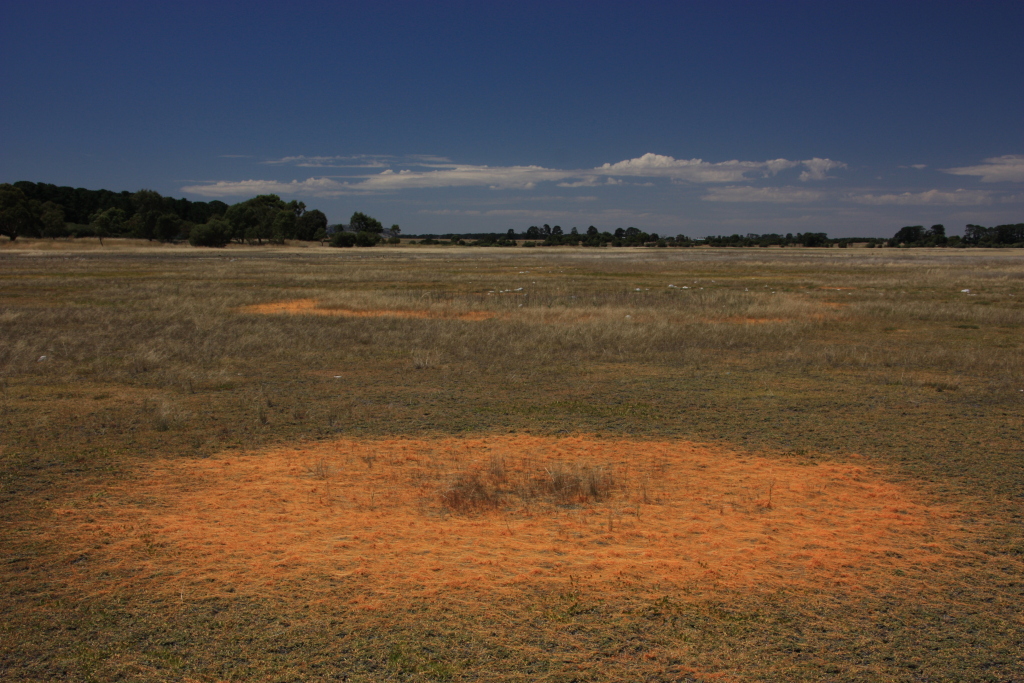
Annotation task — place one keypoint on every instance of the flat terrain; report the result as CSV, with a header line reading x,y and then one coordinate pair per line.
x,y
453,464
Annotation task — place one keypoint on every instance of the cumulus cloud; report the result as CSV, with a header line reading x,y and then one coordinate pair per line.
x,y
817,169
774,195
955,197
693,170
1009,167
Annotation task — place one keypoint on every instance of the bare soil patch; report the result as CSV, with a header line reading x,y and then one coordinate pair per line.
x,y
311,307
425,517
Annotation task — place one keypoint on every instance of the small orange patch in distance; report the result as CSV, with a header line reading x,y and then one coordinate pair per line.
x,y
396,518
309,307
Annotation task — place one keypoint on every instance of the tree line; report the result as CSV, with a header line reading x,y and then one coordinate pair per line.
x,y
548,236
44,210
1009,235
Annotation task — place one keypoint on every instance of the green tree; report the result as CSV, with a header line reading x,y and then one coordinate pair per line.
x,y
341,238
360,222
367,239
309,224
253,219
148,208
283,226
16,215
168,227
908,235
52,218
106,223
216,232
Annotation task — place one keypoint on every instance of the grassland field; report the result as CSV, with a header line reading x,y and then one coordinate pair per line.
x,y
453,464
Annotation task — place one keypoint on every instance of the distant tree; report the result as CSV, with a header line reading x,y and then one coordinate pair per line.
x,y
591,231
557,230
533,233
283,226
366,238
148,208
52,218
395,230
511,234
309,223
320,235
168,227
16,214
216,232
813,239
546,230
908,235
574,231
360,222
620,233
106,223
341,238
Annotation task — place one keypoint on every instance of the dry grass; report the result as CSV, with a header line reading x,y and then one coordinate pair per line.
x,y
405,499
655,518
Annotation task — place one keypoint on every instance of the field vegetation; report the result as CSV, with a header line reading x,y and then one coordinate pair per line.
x,y
443,464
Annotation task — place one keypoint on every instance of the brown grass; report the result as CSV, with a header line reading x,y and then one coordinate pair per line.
x,y
181,478
643,518
311,307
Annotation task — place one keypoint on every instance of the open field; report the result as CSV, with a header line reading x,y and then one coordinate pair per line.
x,y
444,464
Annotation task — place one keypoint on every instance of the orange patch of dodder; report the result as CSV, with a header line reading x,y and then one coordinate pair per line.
x,y
421,517
311,307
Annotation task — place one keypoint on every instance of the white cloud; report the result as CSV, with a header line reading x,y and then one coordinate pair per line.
x,y
818,168
443,174
774,195
1009,167
497,177
302,161
311,187
693,170
956,197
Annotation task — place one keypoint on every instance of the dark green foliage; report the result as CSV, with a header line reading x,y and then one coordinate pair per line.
x,y
365,238
343,239
309,224
283,227
999,236
168,227
214,233
107,223
80,204
360,222
53,221
16,214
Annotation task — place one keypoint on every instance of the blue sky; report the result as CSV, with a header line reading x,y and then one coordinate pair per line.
x,y
694,118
